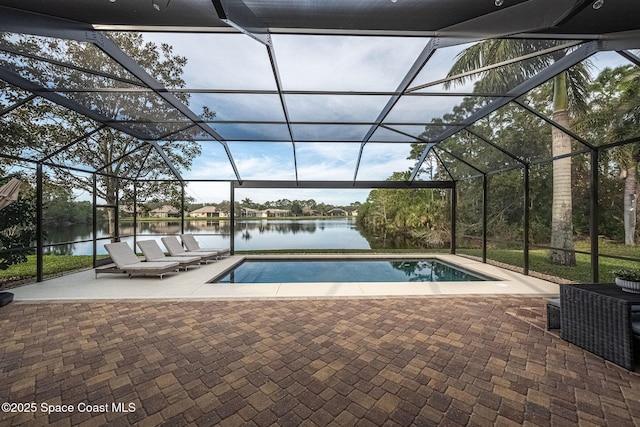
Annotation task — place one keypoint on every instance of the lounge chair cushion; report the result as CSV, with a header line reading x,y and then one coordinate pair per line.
x,y
151,250
153,253
121,254
176,250
124,257
173,246
193,246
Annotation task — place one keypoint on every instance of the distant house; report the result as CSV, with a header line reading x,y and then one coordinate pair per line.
x,y
165,211
276,213
250,213
208,212
306,211
337,212
267,213
128,209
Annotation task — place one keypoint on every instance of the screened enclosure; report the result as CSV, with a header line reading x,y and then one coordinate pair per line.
x,y
510,134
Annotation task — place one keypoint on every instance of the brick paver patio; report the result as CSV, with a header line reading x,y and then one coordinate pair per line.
x,y
412,361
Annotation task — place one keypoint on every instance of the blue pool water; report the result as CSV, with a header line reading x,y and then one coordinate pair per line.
x,y
362,270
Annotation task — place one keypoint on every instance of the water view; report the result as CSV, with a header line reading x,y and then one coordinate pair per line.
x,y
339,233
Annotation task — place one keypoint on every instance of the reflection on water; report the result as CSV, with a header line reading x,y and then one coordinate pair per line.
x,y
249,235
433,271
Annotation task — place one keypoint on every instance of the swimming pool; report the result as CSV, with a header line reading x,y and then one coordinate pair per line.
x,y
346,270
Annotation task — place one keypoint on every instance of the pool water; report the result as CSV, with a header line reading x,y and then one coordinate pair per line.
x,y
362,270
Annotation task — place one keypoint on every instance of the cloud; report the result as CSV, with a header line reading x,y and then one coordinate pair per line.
x,y
335,108
326,63
240,107
220,61
345,63
379,161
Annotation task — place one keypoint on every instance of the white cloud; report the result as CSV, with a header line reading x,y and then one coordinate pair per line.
x,y
379,161
220,61
233,61
345,63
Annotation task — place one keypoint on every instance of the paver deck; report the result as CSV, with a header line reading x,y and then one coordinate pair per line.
x,y
480,360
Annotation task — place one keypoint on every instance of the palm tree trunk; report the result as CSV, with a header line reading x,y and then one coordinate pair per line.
x,y
561,209
630,205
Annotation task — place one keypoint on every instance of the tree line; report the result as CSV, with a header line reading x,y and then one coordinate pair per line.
x,y
603,110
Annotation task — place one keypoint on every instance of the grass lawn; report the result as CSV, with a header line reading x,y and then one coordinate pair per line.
x,y
538,261
53,265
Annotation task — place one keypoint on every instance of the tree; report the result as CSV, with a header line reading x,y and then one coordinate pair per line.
x,y
296,208
113,153
629,125
569,94
615,116
17,228
417,214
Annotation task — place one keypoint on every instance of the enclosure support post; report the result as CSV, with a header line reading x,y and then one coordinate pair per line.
x,y
182,208
485,199
526,217
94,189
454,208
135,212
595,216
116,214
232,218
39,221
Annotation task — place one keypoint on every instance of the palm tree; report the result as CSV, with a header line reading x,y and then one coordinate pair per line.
x,y
569,94
630,115
625,125
615,116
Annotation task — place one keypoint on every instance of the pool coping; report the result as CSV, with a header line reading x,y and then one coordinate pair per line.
x,y
192,284
351,257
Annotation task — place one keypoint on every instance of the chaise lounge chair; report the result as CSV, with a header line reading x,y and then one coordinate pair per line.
x,y
192,245
153,253
127,261
176,250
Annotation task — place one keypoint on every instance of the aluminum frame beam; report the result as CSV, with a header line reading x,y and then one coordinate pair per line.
x,y
29,23
555,124
343,184
238,15
529,16
415,69
563,64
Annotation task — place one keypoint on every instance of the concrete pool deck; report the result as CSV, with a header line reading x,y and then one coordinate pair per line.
x,y
192,284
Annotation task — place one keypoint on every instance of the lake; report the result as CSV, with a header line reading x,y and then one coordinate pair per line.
x,y
339,233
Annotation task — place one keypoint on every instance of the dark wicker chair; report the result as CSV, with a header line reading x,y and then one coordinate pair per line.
x,y
598,318
553,313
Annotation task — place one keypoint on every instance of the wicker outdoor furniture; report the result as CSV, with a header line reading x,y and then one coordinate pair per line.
x,y
5,298
599,318
553,313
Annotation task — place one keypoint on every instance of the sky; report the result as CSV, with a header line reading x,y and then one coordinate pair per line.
x,y
309,63
236,61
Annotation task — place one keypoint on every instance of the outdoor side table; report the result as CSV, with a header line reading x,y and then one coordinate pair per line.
x,y
598,319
